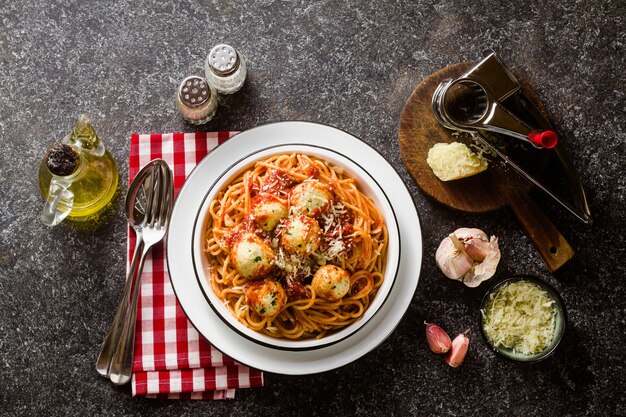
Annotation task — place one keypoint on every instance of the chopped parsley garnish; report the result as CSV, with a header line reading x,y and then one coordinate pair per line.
x,y
257,259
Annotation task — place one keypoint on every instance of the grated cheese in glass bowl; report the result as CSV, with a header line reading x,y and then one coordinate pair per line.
x,y
523,318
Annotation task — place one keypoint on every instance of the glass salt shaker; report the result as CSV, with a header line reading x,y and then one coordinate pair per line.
x,y
225,69
197,100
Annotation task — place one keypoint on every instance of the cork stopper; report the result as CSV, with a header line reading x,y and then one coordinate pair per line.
x,y
62,160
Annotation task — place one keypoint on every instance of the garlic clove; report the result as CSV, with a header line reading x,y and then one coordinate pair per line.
x,y
437,338
452,259
476,242
487,268
457,352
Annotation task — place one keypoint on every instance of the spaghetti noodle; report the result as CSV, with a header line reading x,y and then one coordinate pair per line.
x,y
296,249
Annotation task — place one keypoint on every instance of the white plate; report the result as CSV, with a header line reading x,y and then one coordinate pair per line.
x,y
188,290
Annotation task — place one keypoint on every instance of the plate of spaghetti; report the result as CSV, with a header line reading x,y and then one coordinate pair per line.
x,y
300,246
294,248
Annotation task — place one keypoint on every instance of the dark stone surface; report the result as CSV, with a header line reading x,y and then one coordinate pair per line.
x,y
348,64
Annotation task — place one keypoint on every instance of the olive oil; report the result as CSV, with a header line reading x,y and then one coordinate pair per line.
x,y
94,187
89,187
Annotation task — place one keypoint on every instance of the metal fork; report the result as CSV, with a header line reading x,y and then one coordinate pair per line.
x,y
116,357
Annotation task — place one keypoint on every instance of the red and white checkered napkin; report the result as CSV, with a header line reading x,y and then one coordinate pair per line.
x,y
172,360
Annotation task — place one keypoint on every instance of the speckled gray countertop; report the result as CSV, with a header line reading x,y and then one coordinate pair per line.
x,y
351,65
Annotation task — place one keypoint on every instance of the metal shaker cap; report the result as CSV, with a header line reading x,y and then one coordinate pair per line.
x,y
194,91
223,59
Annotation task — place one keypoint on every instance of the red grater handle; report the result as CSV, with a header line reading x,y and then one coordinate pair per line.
x,y
546,139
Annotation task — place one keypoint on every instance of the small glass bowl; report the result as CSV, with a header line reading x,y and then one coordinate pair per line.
x,y
561,319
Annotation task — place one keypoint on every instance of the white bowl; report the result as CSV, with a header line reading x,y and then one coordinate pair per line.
x,y
367,184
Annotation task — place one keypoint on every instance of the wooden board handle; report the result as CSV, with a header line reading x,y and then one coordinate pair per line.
x,y
552,246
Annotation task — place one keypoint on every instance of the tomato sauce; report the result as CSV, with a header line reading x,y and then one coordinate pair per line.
x,y
278,181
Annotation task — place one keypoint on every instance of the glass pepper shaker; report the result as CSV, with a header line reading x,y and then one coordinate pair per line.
x,y
225,69
197,100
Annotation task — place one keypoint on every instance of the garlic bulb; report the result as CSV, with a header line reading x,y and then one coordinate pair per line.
x,y
475,241
468,255
452,259
487,268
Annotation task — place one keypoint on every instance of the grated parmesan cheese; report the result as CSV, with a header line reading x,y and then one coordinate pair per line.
x,y
332,224
520,316
452,161
335,248
329,217
292,265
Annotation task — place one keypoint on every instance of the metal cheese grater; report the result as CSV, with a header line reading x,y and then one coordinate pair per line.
x,y
489,98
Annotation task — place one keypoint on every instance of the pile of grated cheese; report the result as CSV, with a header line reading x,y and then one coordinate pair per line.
x,y
520,316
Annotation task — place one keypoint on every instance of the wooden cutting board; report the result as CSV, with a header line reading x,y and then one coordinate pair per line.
x,y
492,189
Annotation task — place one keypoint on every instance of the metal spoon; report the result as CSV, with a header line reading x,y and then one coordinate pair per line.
x,y
148,207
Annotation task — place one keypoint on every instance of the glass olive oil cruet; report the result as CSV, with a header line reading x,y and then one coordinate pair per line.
x,y
77,177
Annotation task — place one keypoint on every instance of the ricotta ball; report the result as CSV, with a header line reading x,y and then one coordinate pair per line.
x,y
301,236
268,210
331,282
266,297
251,256
310,198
